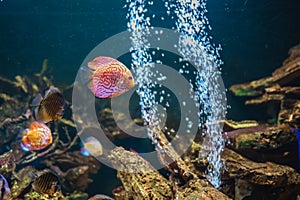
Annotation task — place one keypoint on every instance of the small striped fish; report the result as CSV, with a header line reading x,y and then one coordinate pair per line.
x,y
47,183
49,108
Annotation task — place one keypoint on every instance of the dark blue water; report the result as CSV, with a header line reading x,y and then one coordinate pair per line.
x,y
255,36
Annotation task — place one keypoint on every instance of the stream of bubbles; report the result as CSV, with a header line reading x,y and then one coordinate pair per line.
x,y
142,64
194,45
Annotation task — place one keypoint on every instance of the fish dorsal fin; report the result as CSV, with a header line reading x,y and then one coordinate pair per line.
x,y
36,100
51,90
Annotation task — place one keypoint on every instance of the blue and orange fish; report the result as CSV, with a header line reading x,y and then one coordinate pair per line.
x,y
37,137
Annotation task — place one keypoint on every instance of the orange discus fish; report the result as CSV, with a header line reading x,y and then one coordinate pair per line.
x,y
109,77
37,137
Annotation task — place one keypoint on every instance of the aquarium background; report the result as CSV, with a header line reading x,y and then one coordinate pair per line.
x,y
255,36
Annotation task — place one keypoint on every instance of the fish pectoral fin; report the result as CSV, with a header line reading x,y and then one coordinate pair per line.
x,y
85,75
36,100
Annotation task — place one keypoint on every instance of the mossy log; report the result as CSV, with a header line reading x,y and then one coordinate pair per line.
x,y
275,142
262,136
192,186
152,185
138,177
264,142
280,93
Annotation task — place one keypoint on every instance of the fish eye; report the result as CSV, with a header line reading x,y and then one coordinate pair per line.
x,y
130,77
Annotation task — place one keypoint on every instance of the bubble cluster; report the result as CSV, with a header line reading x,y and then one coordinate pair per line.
x,y
195,47
142,64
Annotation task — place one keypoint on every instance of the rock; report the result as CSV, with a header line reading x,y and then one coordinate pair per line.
x,y
267,180
76,195
278,96
7,162
151,185
287,75
261,137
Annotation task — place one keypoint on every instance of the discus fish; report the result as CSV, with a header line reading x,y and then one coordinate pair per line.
x,y
108,77
47,182
92,146
49,108
36,137
4,189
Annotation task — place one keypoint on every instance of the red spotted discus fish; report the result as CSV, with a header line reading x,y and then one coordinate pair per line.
x,y
109,77
49,108
37,137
